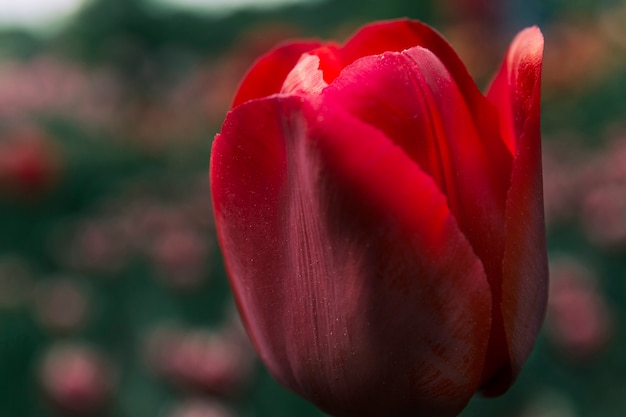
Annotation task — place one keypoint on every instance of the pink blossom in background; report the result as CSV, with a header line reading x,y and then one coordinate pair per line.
x,y
579,322
201,408
77,379
201,361
60,305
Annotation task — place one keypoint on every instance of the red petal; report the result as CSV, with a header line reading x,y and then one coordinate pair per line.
x,y
516,88
412,98
398,35
353,278
267,75
516,93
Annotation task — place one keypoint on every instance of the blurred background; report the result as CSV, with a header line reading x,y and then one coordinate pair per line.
x,y
113,299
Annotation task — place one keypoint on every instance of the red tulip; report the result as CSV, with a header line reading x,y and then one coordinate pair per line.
x,y
382,221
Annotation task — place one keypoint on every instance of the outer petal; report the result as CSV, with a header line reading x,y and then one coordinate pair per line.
x,y
516,92
399,35
268,73
346,263
413,99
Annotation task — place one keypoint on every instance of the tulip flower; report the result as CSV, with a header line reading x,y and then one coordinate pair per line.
x,y
381,220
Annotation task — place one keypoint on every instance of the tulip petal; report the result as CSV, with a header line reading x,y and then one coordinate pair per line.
x,y
516,93
401,34
355,283
412,98
267,75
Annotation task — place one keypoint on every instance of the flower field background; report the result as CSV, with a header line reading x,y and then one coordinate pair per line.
x,y
113,298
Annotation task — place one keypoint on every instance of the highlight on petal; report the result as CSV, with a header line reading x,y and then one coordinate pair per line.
x,y
516,88
267,75
336,243
516,93
306,77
